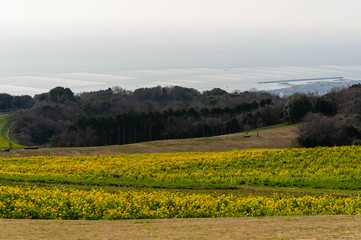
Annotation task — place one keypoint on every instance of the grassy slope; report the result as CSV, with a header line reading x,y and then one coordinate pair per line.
x,y
4,143
280,136
221,228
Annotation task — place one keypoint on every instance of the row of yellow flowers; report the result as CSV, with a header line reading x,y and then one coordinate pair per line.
x,y
336,167
70,203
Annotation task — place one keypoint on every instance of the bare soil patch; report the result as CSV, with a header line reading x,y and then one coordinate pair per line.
x,y
297,227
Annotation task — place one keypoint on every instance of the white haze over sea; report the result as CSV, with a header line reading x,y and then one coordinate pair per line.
x,y
89,45
229,79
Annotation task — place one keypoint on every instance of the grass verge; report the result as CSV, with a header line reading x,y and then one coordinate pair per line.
x,y
4,141
305,227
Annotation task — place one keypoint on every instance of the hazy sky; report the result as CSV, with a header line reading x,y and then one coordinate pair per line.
x,y
42,37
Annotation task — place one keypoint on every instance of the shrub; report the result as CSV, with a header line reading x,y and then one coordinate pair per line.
x,y
319,130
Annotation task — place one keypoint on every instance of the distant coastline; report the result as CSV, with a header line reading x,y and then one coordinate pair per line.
x,y
302,80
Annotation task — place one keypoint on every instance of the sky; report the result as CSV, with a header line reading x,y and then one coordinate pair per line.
x,y
49,39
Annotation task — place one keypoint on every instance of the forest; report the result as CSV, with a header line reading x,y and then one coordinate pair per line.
x,y
119,116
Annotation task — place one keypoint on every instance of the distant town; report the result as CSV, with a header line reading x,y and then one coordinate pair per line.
x,y
316,86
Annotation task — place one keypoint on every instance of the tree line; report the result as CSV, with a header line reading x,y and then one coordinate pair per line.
x,y
9,103
118,116
132,127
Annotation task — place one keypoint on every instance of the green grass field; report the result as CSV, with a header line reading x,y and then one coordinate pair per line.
x,y
4,143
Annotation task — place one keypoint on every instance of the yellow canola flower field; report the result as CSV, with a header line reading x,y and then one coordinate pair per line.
x,y
335,167
70,203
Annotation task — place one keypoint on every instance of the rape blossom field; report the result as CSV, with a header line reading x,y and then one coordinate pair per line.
x,y
77,187
333,168
67,203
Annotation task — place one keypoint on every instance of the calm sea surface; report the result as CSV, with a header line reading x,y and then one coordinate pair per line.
x,y
229,79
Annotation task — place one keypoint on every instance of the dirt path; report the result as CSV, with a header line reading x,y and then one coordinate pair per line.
x,y
306,227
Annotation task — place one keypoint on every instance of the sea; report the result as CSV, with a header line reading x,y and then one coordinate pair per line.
x,y
320,79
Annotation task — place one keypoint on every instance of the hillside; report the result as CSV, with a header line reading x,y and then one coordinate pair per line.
x,y
4,143
60,118
280,136
287,184
118,117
